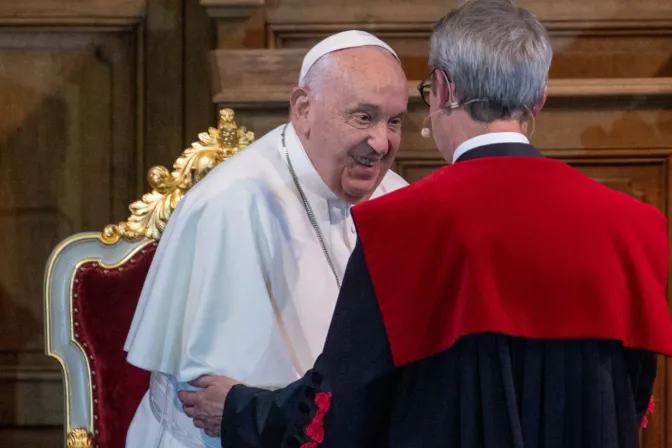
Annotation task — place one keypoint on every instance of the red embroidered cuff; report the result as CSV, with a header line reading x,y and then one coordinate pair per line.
x,y
315,430
649,411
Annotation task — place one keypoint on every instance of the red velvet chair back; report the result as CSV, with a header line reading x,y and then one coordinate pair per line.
x,y
106,299
91,292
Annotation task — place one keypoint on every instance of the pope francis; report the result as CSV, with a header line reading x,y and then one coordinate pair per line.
x,y
246,276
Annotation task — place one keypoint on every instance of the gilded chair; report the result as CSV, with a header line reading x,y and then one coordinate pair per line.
x,y
92,284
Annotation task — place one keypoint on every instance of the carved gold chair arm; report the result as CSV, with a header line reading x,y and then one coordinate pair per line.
x,y
150,215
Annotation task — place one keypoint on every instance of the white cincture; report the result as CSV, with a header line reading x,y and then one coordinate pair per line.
x,y
167,410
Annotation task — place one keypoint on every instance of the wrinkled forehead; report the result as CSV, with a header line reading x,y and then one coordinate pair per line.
x,y
367,75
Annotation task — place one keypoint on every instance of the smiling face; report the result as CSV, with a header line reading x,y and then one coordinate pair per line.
x,y
350,122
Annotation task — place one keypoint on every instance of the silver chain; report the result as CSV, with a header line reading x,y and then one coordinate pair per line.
x,y
309,210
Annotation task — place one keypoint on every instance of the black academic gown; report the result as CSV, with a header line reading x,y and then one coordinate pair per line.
x,y
487,390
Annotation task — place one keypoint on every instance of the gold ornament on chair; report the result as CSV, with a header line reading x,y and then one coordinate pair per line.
x,y
80,438
150,215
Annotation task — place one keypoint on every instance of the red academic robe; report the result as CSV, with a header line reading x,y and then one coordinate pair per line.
x,y
504,301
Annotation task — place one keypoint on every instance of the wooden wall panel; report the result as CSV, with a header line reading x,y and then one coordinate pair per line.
x,y
595,124
621,53
163,87
623,12
51,437
67,157
92,93
84,12
629,51
199,38
177,38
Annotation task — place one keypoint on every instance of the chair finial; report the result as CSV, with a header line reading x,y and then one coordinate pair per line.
x,y
150,215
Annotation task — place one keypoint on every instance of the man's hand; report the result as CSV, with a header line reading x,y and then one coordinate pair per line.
x,y
206,406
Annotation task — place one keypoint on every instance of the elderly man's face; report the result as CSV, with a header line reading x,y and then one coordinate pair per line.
x,y
355,121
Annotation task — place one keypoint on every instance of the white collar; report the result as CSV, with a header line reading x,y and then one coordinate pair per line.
x,y
303,167
489,139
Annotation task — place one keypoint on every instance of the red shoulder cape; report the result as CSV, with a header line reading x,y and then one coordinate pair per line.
x,y
515,245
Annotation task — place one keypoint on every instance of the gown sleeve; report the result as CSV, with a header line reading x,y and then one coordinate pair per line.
x,y
642,367
207,286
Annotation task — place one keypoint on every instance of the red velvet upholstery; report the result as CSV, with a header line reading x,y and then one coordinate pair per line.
x,y
104,302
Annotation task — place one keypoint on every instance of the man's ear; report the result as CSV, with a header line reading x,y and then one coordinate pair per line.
x,y
536,110
299,103
441,89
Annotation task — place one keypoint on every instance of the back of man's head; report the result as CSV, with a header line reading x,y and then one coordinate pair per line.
x,y
494,53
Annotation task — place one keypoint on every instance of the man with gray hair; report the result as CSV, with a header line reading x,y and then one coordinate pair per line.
x,y
524,309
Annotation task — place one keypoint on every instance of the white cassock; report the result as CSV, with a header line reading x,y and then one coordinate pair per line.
x,y
239,285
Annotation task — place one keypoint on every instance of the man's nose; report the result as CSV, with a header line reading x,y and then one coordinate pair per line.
x,y
378,140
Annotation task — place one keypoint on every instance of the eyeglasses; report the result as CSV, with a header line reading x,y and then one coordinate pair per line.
x,y
425,86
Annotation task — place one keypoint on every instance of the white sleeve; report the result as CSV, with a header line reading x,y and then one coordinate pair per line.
x,y
206,306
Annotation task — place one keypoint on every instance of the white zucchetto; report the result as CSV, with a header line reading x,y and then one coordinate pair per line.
x,y
340,41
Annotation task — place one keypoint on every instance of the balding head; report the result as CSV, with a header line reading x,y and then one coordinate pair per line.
x,y
348,115
334,64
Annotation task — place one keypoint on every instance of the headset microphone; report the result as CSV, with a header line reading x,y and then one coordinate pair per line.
x,y
427,132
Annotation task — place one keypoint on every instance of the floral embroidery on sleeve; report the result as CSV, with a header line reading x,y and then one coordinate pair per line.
x,y
315,430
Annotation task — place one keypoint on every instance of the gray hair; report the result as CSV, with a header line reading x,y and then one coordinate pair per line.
x,y
497,56
315,75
